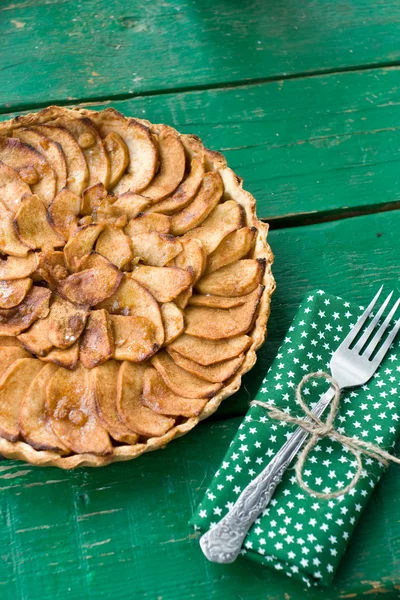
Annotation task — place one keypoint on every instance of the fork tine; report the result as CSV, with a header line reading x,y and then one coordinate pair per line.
x,y
378,336
388,342
366,334
357,327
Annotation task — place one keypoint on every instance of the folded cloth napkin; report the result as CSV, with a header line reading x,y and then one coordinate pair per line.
x,y
299,534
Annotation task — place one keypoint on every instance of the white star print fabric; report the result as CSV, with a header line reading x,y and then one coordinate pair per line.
x,y
298,534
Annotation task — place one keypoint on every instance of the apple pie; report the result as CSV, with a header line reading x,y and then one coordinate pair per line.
x,y
135,285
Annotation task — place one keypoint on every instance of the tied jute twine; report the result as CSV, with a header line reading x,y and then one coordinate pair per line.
x,y
321,429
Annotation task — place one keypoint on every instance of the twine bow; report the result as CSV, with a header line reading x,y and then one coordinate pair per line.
x,y
321,429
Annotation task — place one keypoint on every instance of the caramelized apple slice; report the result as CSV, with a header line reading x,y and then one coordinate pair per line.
x,y
92,198
192,258
13,386
236,279
97,344
164,283
172,165
224,219
174,322
92,285
66,322
118,155
216,301
81,243
104,380
183,298
180,381
12,188
32,225
209,352
67,358
51,268
50,150
9,342
72,412
233,247
189,186
114,245
35,306
77,170
155,249
14,291
207,198
214,373
10,354
31,167
36,338
130,406
9,242
218,323
134,338
141,147
19,267
64,211
33,422
133,299
145,222
159,398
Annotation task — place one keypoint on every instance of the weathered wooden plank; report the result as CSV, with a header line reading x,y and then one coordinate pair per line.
x,y
63,49
307,147
122,532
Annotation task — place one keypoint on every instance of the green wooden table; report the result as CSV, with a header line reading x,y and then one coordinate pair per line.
x,y
304,100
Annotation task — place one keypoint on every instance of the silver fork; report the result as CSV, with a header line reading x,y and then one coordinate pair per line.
x,y
350,366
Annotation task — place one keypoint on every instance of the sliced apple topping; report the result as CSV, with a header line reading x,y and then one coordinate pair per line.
x,y
174,322
18,267
159,398
131,409
209,352
97,343
147,222
64,211
92,285
182,382
13,386
31,167
72,412
66,358
237,279
118,155
216,301
35,306
92,198
9,242
9,342
9,354
214,373
192,258
36,338
155,249
51,268
114,245
12,188
128,205
81,243
225,218
14,291
207,198
134,338
33,422
164,283
49,149
218,323
104,380
33,227
233,247
66,321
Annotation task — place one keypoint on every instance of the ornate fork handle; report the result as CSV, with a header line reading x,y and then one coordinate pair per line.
x,y
222,543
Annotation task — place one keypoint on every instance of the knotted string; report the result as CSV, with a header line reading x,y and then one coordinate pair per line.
x,y
321,429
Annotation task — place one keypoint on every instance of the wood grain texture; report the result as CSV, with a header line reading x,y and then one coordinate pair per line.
x,y
122,532
68,49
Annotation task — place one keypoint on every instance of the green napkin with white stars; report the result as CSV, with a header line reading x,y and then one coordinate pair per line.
x,y
299,534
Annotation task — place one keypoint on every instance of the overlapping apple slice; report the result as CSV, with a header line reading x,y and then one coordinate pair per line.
x,y
128,205
216,301
233,247
223,220
141,147
104,381
173,320
64,211
216,373
207,198
72,412
164,283
12,188
33,422
209,352
77,169
33,227
114,245
13,386
219,323
134,338
192,258
66,358
51,268
182,382
9,354
13,292
237,279
159,398
132,411
34,306
147,222
50,150
97,343
18,267
9,242
32,168
92,198
36,338
9,342
118,155
155,249
81,243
